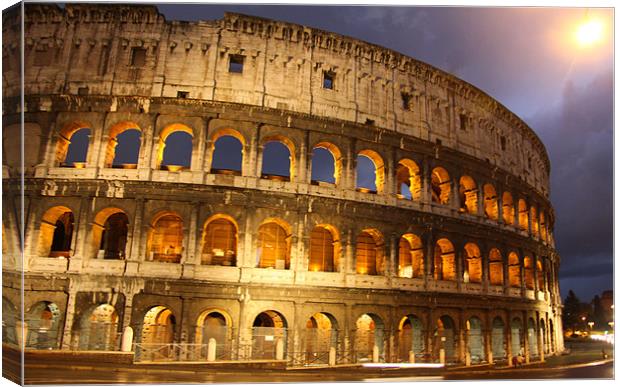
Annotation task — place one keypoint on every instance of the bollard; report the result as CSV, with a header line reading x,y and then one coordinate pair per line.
x,y
542,356
211,348
332,356
509,361
467,359
279,349
375,354
442,356
21,332
127,339
527,357
490,357
411,357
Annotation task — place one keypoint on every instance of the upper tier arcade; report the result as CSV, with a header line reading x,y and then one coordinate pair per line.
x,y
133,51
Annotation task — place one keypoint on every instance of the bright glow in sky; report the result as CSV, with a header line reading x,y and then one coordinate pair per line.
x,y
590,32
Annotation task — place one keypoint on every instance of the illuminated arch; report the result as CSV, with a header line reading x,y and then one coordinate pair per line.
x,y
496,267
163,137
269,328
468,195
534,218
514,270
320,335
98,329
215,324
540,275
369,332
475,341
490,202
497,339
445,338
410,257
543,226
377,161
110,231
165,238
56,232
369,254
408,177
410,337
472,268
528,268
158,327
324,248
113,141
523,215
274,244
219,241
444,267
508,208
217,157
336,156
289,145
516,333
64,139
440,186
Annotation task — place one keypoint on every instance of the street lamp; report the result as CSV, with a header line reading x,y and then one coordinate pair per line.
x,y
590,324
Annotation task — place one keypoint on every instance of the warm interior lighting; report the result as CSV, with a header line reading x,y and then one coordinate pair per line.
x,y
589,32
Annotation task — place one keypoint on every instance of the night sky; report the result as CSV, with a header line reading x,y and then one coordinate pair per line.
x,y
527,59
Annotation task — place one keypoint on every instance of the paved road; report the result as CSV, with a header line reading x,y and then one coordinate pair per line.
x,y
102,375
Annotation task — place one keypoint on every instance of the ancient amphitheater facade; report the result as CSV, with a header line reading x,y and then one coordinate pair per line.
x,y
447,255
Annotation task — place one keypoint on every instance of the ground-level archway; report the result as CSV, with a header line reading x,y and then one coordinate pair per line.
x,y
410,338
320,335
368,335
269,328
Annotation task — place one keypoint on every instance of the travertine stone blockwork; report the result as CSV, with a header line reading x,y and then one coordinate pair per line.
x,y
183,254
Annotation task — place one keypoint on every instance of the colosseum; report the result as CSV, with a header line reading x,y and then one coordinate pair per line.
x,y
153,223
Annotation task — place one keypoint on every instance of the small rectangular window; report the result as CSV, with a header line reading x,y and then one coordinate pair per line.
x,y
406,100
328,80
235,64
138,57
464,121
370,122
503,142
82,90
182,94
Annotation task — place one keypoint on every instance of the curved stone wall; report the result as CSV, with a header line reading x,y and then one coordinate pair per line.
x,y
450,257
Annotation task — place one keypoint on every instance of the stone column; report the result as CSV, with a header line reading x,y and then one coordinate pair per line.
x,y
208,155
349,258
428,258
500,205
485,263
390,173
248,259
303,164
454,193
463,338
425,180
191,258
69,315
480,195
459,265
508,337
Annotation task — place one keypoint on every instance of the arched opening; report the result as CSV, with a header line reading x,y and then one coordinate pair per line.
x,y
472,265
165,240
369,253
475,341
534,218
77,149
444,339
468,195
540,276
490,202
514,270
368,335
532,338
212,324
110,230
543,226
370,172
516,337
496,267
175,148
56,232
528,268
440,186
551,337
324,248
278,159
523,222
227,159
410,338
508,208
408,182
410,257
158,327
543,336
326,163
321,334
498,346
274,245
123,148
268,329
99,329
9,322
444,267
219,241
43,322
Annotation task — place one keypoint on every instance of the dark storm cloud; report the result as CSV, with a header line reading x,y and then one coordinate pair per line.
x,y
522,58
